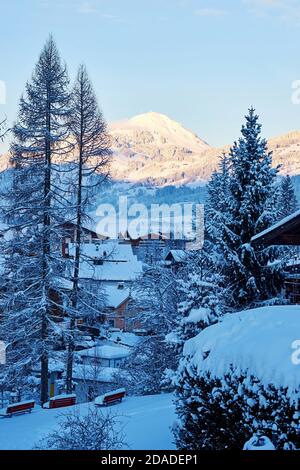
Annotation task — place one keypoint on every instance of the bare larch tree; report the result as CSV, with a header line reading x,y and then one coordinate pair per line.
x,y
91,162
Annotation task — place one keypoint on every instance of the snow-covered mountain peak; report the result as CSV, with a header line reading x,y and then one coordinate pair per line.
x,y
153,148
156,128
156,121
153,119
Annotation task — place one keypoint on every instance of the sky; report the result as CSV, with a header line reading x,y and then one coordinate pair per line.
x,y
201,62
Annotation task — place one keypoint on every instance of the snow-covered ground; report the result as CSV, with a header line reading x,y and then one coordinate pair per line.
x,y
147,422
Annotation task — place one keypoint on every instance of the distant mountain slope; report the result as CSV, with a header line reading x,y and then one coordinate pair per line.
x,y
152,147
155,149
155,129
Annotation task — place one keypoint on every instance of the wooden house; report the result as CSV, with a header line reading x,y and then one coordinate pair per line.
x,y
286,232
88,235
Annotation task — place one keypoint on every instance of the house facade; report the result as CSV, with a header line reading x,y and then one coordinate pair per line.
x,y
109,268
286,232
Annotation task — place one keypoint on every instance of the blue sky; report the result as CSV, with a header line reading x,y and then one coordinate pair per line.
x,y
202,62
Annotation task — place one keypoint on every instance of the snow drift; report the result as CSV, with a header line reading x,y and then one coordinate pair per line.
x,y
261,341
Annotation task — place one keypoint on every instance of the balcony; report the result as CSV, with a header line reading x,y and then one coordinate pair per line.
x,y
292,281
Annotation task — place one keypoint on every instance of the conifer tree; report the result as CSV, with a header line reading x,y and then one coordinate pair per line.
x,y
247,208
287,201
34,208
90,170
201,293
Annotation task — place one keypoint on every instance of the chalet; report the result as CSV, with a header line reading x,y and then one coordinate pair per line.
x,y
120,309
111,267
148,248
176,259
88,234
285,232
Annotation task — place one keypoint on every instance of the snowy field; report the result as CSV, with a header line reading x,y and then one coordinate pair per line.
x,y
147,422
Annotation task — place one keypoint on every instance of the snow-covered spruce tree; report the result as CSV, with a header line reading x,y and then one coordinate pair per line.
x,y
240,204
216,220
91,159
253,275
287,201
218,191
201,292
216,213
34,209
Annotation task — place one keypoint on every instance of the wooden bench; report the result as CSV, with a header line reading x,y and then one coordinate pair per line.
x,y
61,401
17,408
111,398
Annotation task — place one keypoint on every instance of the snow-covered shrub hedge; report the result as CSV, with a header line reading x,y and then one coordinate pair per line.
x,y
237,378
223,413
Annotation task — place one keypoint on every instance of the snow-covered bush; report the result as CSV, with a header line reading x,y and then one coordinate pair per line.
x,y
237,379
93,431
220,414
259,443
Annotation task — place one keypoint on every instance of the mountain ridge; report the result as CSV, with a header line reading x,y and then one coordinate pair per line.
x,y
152,148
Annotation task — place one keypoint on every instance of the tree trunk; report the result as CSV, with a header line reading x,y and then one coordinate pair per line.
x,y
46,254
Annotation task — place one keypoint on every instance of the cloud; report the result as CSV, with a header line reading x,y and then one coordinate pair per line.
x,y
286,10
87,8
210,12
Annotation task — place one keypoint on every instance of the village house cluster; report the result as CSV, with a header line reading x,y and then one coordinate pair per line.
x,y
110,267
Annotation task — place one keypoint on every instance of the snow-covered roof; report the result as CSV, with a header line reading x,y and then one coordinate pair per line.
x,y
261,340
111,271
278,229
106,352
114,296
97,374
178,255
118,262
107,250
125,338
